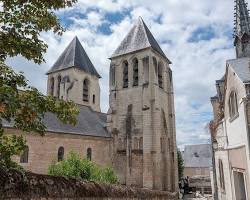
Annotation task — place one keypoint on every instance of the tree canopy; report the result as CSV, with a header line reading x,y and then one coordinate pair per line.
x,y
21,22
180,164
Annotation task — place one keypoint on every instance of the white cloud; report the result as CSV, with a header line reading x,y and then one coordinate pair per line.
x,y
196,66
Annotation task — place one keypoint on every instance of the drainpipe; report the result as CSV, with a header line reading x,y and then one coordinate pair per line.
x,y
214,173
246,104
229,164
245,101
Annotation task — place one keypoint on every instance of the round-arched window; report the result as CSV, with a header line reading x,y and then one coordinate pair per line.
x,y
60,154
89,153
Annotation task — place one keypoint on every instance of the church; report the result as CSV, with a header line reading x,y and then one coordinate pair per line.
x,y
136,136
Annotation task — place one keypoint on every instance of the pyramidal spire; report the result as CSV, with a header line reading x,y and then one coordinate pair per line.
x,y
74,56
242,20
138,38
242,29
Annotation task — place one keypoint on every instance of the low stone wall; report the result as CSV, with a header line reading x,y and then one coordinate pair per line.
x,y
201,183
17,185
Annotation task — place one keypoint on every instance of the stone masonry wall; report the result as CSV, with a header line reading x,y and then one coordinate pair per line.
x,y
15,185
144,111
43,150
73,90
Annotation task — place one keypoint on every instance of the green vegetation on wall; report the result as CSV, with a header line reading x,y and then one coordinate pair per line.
x,y
76,167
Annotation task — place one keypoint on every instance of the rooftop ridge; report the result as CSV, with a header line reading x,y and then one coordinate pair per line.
x,y
138,38
74,55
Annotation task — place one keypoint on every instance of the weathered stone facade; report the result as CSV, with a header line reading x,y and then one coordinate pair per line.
x,y
74,78
137,136
15,185
141,119
71,89
44,149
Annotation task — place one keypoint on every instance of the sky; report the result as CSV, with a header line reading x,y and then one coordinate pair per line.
x,y
195,35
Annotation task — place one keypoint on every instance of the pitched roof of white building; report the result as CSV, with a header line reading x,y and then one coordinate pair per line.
x,y
198,155
241,67
138,38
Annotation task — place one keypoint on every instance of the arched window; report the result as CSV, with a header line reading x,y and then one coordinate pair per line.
x,y
24,158
160,71
59,79
135,72
93,99
125,74
112,74
85,94
221,171
89,153
245,40
170,75
146,69
52,85
233,104
155,66
60,154
141,143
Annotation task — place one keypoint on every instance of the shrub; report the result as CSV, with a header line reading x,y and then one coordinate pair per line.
x,y
180,164
76,167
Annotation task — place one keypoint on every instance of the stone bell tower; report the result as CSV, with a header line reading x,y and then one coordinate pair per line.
x,y
141,116
73,77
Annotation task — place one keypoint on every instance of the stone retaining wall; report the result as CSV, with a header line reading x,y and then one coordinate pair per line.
x,y
17,185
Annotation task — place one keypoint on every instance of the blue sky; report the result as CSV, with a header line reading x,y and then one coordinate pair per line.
x,y
195,35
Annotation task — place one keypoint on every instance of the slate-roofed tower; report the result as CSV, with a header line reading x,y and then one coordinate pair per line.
x,y
74,77
242,29
141,117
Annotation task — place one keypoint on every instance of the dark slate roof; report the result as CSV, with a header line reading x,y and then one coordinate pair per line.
x,y
90,123
74,56
198,155
139,37
241,67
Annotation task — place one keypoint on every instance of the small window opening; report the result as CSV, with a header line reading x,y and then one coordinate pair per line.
x,y
93,99
135,72
58,86
160,80
52,84
25,155
60,154
125,74
85,96
89,153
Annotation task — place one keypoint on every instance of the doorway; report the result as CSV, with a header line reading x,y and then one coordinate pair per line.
x,y
239,186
